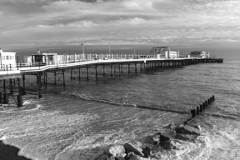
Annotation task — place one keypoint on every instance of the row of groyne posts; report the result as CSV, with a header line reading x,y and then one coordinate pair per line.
x,y
36,81
200,109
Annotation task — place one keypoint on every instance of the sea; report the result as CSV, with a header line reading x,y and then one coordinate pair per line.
x,y
83,119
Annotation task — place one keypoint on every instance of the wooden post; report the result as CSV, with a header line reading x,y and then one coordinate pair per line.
x,y
129,68
193,112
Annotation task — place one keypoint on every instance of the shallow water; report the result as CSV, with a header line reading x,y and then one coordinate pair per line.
x,y
78,122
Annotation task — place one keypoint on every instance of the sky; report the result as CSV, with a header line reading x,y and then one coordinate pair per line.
x,y
30,23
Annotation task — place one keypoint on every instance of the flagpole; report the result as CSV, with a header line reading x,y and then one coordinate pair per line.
x,y
109,48
83,48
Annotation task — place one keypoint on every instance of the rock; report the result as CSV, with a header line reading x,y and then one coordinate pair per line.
x,y
170,126
156,137
134,147
171,145
149,140
106,157
161,137
117,151
186,137
137,157
187,129
119,158
146,151
165,138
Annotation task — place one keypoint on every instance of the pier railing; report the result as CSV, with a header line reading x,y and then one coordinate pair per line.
x,y
59,61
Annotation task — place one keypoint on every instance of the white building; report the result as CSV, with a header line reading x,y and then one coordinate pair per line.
x,y
164,52
7,60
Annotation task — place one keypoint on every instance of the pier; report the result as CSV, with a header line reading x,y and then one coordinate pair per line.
x,y
23,79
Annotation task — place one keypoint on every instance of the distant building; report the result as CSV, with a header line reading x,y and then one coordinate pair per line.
x,y
199,54
41,58
7,60
164,52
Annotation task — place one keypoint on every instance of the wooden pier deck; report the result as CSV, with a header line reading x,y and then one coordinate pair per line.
x,y
14,81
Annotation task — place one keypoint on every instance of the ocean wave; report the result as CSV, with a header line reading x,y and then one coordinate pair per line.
x,y
90,148
222,116
127,104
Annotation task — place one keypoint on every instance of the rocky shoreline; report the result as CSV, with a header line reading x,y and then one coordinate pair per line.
x,y
169,140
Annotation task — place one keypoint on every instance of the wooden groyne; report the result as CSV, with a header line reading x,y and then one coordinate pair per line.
x,y
16,82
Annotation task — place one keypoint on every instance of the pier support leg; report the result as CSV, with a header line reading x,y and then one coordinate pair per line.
x,y
63,71
5,95
23,83
122,68
111,70
39,85
19,96
0,97
96,73
11,86
71,74
55,78
87,74
79,73
135,67
129,68
103,70
119,70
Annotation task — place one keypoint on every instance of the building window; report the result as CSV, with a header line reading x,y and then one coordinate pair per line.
x,y
3,57
7,57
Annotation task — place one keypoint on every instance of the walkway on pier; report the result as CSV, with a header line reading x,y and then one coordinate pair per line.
x,y
34,79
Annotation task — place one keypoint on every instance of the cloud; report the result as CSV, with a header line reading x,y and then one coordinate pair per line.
x,y
169,21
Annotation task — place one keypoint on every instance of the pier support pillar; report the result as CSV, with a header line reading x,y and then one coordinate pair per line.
x,y
135,67
0,97
79,73
111,70
63,71
55,78
129,68
119,70
40,84
23,83
19,96
5,98
103,70
96,73
5,95
87,74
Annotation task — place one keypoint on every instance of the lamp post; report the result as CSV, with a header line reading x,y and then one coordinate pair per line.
x,y
17,61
